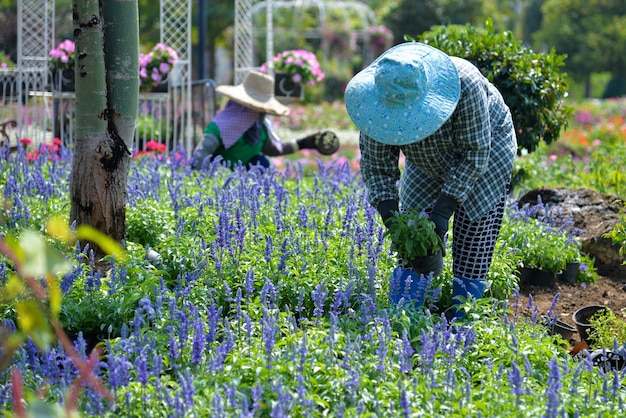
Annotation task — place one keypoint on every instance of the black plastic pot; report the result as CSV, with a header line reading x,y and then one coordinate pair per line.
x,y
556,326
608,360
536,277
570,273
428,264
581,319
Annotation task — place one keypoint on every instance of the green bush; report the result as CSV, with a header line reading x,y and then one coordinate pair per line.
x,y
531,83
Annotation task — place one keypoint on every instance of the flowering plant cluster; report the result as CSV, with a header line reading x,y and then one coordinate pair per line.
x,y
5,60
379,36
155,65
301,65
63,55
153,149
49,150
413,235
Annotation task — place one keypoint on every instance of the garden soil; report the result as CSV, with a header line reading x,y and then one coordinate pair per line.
x,y
609,290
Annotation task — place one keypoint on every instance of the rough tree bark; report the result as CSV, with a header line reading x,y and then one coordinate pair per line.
x,y
106,34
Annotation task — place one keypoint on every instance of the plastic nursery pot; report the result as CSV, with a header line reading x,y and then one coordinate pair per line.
x,y
581,319
608,360
556,326
570,273
536,277
428,264
407,286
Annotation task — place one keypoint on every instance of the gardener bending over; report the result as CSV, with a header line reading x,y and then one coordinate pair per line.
x,y
240,134
457,136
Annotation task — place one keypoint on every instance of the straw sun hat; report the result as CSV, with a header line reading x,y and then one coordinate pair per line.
x,y
257,93
405,95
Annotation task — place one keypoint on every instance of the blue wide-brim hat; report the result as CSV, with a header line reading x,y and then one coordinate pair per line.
x,y
405,95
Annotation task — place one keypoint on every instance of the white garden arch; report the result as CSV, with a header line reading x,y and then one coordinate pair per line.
x,y
36,39
350,11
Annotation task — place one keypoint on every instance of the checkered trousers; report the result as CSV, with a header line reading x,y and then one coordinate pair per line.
x,y
473,243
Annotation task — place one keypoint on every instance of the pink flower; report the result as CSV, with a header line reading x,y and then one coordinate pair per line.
x,y
164,68
296,78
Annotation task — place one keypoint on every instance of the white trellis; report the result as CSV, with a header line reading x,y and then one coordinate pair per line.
x,y
246,33
34,111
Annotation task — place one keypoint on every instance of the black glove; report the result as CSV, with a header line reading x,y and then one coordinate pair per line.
x,y
325,142
441,213
387,209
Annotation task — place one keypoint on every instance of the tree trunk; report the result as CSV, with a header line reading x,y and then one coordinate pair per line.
x,y
107,89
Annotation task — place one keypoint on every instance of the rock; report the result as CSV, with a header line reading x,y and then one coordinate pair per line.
x,y
594,213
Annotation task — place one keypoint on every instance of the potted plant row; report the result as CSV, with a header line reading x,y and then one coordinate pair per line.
x,y
545,252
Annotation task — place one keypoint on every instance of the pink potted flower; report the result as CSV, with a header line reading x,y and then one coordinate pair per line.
x,y
155,66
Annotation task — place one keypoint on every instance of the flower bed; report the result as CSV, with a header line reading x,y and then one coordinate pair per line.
x,y
270,305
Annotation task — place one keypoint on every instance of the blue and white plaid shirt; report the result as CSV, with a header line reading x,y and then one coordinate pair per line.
x,y
469,158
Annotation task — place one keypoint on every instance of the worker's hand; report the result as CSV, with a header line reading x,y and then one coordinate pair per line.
x,y
388,209
442,211
326,142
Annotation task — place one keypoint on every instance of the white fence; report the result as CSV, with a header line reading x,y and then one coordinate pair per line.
x,y
43,108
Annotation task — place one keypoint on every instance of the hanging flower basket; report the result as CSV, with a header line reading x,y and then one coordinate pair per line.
x,y
285,88
64,80
294,69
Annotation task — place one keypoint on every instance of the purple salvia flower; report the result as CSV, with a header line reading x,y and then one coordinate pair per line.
x,y
553,389
187,389
268,293
284,255
382,352
247,326
199,341
269,248
249,284
306,404
303,215
285,401
141,367
303,352
217,406
270,332
530,303
319,295
516,380
257,396
404,401
406,358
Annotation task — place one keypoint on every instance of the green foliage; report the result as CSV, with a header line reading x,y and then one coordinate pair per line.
x,y
607,329
98,307
618,233
599,166
591,32
6,61
415,17
531,83
148,128
413,235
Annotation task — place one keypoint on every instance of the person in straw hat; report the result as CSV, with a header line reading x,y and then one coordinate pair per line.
x,y
240,133
459,143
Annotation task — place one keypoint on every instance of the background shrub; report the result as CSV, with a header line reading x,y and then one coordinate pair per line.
x,y
531,83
